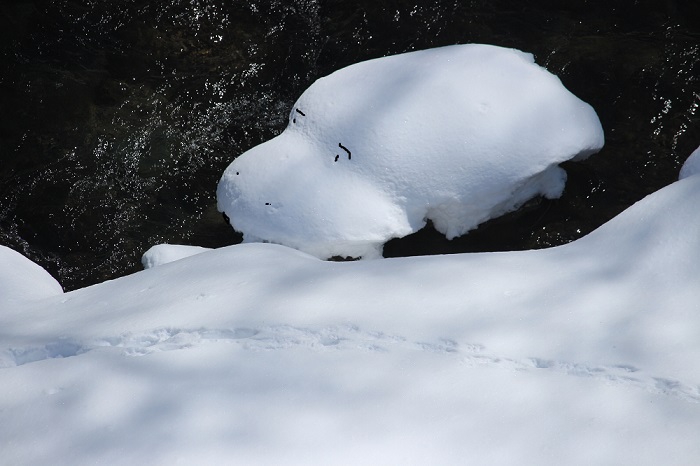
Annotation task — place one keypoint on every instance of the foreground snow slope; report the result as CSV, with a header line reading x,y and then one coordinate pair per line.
x,y
258,354
456,135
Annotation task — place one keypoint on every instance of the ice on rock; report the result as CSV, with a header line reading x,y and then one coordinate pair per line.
x,y
457,135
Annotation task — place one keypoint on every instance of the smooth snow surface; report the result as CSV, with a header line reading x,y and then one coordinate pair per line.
x,y
457,135
582,354
691,165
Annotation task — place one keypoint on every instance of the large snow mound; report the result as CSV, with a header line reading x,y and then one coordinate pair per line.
x,y
457,135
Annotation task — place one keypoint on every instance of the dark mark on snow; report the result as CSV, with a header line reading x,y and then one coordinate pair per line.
x,y
346,150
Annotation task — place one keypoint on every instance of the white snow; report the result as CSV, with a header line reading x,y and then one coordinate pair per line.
x,y
691,165
163,253
457,135
582,354
22,279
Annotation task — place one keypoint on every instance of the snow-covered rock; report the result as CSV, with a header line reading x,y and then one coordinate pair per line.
x,y
457,135
163,253
691,165
22,279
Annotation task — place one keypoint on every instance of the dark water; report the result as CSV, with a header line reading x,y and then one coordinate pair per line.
x,y
119,117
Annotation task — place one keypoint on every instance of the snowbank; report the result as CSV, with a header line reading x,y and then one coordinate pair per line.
x,y
22,279
457,135
691,165
260,354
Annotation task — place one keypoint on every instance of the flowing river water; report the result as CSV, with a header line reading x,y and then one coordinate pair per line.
x,y
118,118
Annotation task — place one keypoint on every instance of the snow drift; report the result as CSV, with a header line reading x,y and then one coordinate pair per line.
x,y
582,354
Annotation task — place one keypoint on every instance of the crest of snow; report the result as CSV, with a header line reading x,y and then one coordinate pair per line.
x,y
164,253
457,135
22,279
260,354
691,165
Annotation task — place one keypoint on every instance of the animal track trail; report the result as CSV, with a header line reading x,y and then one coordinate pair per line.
x,y
170,339
343,338
162,339
58,349
619,374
